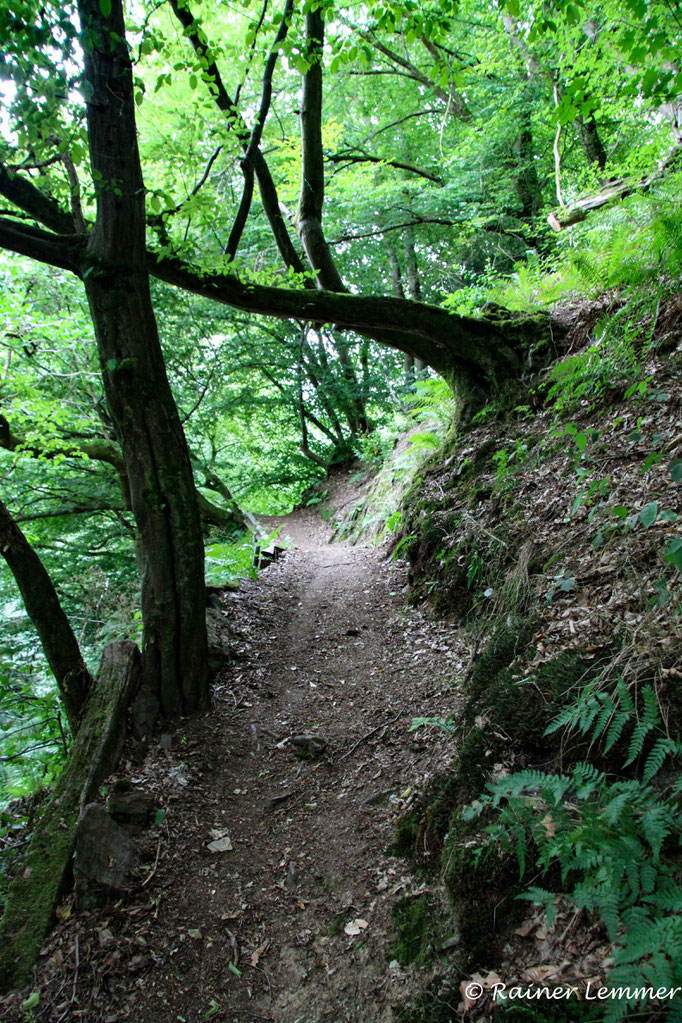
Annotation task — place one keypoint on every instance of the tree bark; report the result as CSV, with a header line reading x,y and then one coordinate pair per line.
x,y
413,286
138,395
592,143
33,895
45,611
527,183
309,216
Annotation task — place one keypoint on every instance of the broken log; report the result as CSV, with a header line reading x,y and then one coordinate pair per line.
x,y
611,192
33,895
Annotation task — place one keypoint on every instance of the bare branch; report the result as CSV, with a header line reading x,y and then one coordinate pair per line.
x,y
236,122
360,156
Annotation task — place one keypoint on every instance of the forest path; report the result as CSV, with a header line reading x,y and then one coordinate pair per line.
x,y
325,645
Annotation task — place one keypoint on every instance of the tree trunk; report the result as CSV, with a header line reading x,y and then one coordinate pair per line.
x,y
592,143
42,605
138,395
309,217
34,894
413,287
527,183
399,292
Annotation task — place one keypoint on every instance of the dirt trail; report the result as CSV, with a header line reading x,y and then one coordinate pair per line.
x,y
326,646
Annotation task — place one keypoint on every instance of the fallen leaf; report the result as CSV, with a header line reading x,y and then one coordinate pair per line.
x,y
195,933
260,951
537,974
220,845
526,928
355,927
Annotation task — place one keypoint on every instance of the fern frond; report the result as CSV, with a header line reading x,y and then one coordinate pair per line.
x,y
657,756
639,734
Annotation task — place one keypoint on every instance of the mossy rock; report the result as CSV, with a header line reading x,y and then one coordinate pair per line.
x,y
417,927
482,889
437,1004
419,832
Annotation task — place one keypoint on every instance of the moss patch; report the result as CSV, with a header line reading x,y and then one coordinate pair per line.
x,y
413,919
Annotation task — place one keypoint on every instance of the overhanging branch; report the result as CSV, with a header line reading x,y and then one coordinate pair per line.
x,y
65,251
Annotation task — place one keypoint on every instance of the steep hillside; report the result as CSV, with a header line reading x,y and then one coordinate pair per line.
x,y
548,532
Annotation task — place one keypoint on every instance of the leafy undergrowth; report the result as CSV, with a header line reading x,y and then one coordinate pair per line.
x,y
550,533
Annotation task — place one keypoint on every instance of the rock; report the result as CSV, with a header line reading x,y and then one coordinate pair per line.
x,y
104,860
308,747
131,809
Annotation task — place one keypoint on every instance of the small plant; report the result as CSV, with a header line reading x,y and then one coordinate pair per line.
x,y
614,841
563,583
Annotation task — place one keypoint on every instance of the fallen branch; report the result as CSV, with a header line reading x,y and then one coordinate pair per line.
x,y
610,193
371,733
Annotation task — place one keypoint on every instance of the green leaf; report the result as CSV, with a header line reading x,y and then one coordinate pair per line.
x,y
233,969
31,1002
673,554
105,7
648,514
675,470
651,459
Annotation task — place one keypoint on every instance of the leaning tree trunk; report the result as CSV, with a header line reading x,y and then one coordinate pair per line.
x,y
34,894
138,394
42,604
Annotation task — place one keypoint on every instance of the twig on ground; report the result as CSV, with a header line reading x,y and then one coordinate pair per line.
x,y
156,863
371,733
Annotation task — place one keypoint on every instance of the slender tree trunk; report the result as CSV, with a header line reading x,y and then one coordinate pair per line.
x,y
357,414
527,183
413,286
309,217
138,394
42,605
592,143
399,292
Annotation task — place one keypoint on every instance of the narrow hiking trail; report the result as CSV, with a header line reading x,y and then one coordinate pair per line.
x,y
291,919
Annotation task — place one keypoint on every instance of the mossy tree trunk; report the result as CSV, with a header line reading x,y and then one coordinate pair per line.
x,y
34,894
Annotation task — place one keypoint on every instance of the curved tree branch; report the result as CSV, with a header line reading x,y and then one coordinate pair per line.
x,y
65,251
358,155
46,613
24,194
236,123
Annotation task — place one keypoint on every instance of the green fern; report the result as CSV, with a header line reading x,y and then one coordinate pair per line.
x,y
610,839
